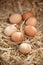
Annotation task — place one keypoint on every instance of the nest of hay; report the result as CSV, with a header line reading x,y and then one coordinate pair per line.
x,y
9,53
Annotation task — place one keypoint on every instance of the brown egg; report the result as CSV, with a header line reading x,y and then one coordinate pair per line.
x,y
31,21
30,30
17,37
15,18
25,48
10,29
27,14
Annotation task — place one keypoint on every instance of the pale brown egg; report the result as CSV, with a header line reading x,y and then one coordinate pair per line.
x,y
15,18
28,14
31,21
30,30
10,29
17,37
25,48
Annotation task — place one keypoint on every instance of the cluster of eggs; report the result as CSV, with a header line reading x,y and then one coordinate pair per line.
x,y
29,29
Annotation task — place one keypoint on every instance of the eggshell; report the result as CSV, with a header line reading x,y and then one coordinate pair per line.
x,y
25,48
30,30
15,18
31,21
17,37
28,14
10,29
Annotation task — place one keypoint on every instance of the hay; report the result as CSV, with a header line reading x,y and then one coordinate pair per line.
x,y
9,50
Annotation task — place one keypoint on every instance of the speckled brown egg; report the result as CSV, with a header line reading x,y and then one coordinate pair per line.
x,y
25,48
30,30
28,14
31,21
15,18
17,37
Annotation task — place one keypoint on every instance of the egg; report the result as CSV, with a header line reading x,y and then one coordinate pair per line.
x,y
10,29
31,21
25,48
30,30
28,14
17,37
15,18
